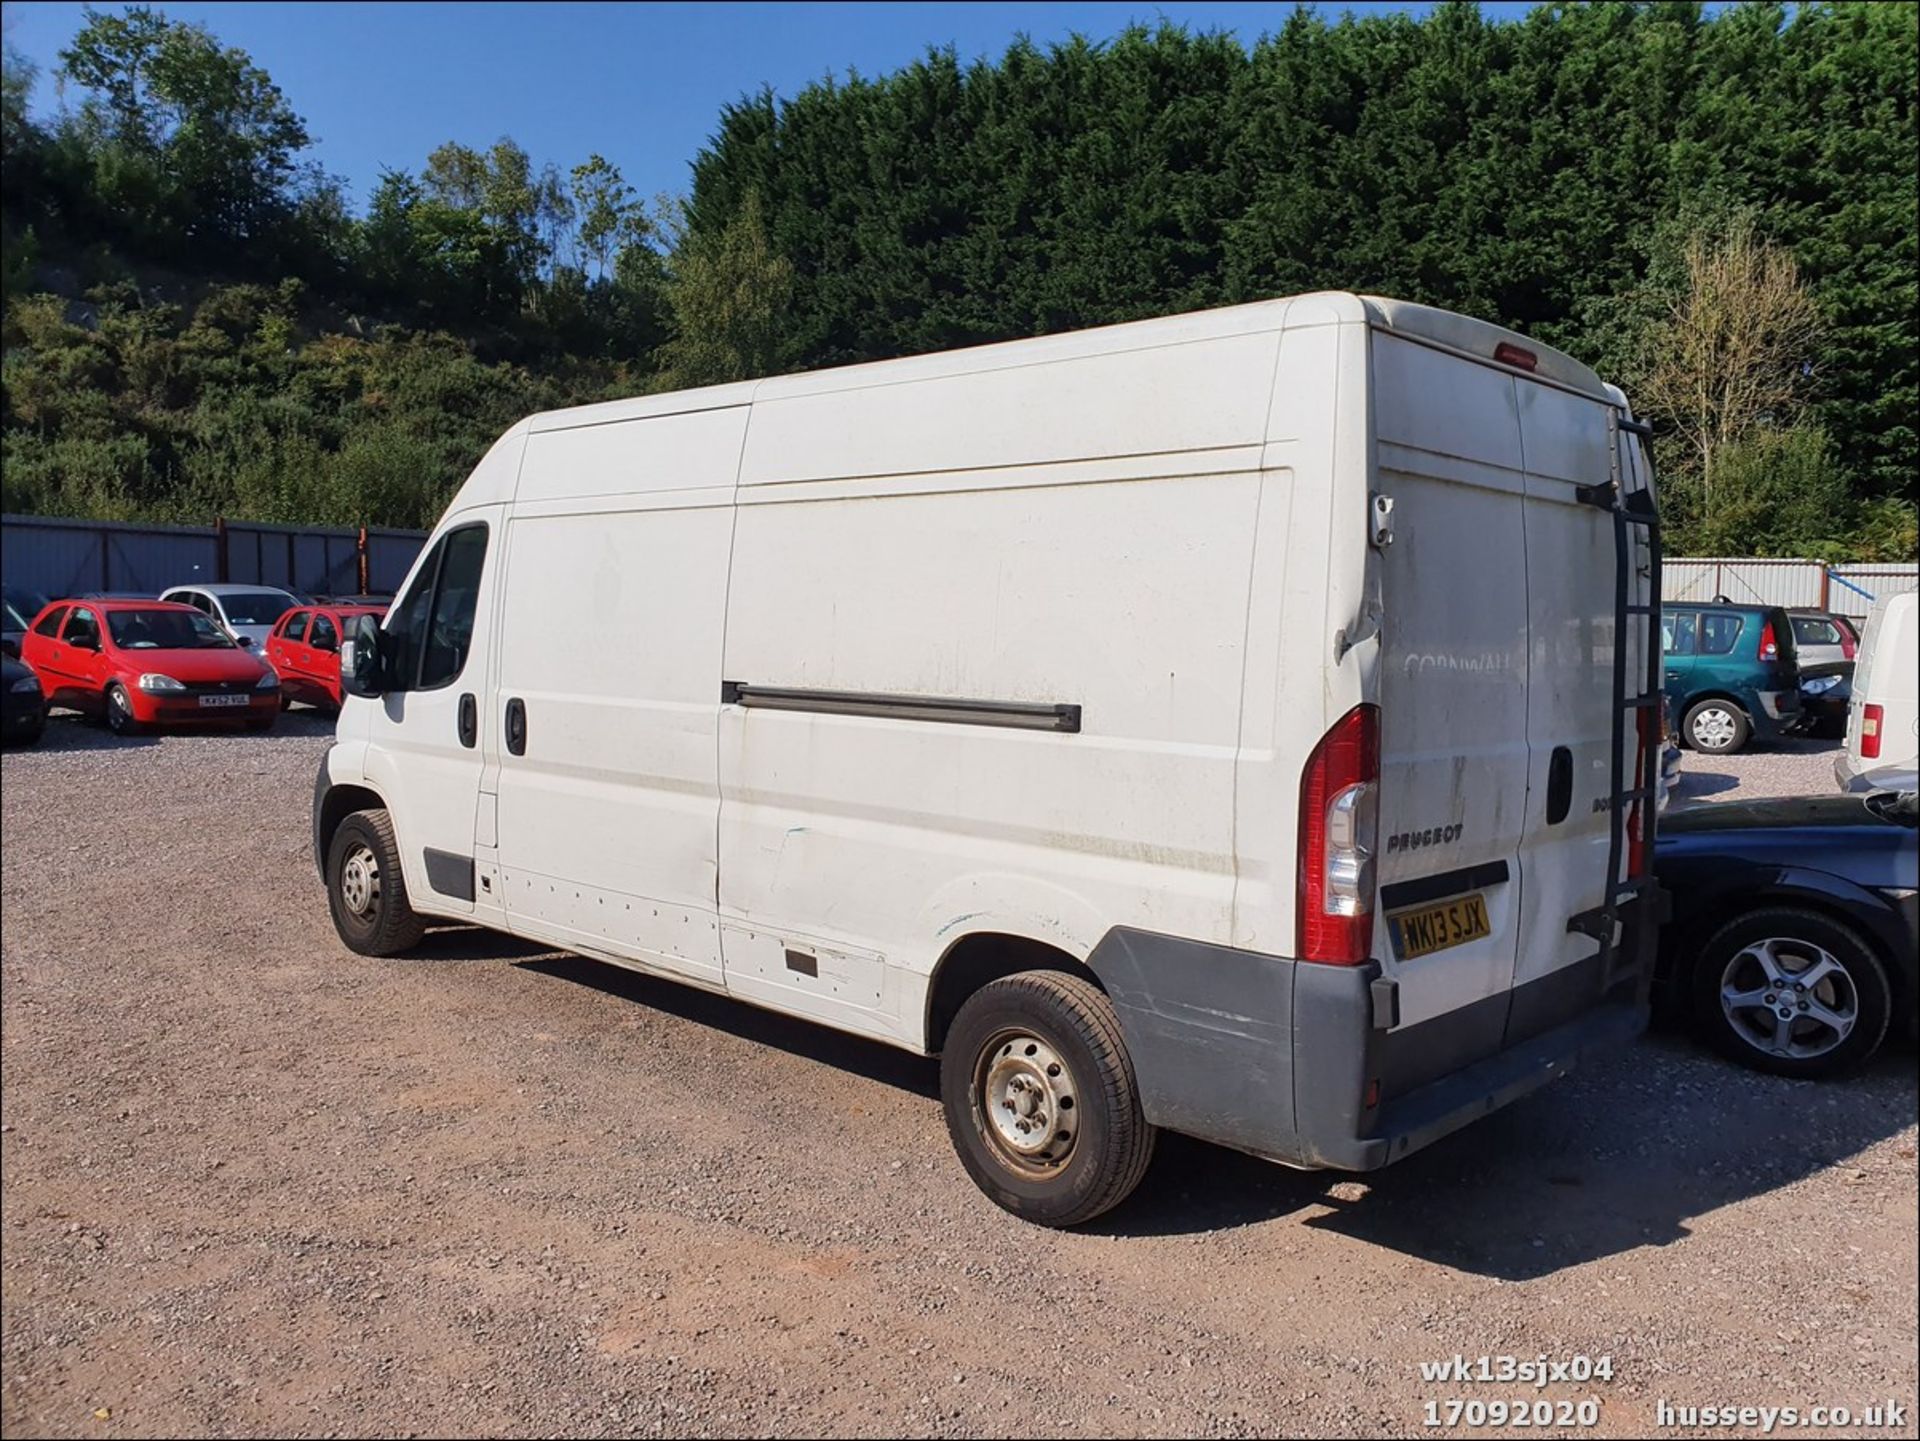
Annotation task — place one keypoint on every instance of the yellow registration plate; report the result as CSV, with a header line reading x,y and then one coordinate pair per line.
x,y
1436,927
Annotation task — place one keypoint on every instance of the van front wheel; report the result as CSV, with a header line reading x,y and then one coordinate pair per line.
x,y
1717,727
365,890
1041,1101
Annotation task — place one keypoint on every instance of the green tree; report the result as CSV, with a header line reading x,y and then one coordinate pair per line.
x,y
192,139
444,258
526,210
1775,493
727,293
610,218
1734,348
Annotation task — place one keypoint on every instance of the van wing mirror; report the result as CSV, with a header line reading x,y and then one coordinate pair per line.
x,y
362,664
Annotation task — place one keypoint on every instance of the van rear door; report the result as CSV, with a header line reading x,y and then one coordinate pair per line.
x,y
1454,753
1496,695
1571,441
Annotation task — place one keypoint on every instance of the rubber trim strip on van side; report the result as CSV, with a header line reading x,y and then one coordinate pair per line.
x,y
1020,715
1447,883
449,874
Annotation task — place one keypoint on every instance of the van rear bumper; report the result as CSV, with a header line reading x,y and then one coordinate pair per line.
x,y
1443,1106
1280,1058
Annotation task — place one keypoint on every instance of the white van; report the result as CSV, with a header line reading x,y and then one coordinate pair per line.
x,y
1217,723
1883,716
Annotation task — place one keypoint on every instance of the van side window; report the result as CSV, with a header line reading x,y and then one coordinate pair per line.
x,y
1718,633
432,624
1678,629
49,624
455,599
407,622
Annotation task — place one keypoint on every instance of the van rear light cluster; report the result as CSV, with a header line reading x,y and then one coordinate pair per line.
x,y
1847,643
1339,825
1769,643
1870,718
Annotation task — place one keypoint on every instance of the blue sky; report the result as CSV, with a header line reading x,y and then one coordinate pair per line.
x,y
382,84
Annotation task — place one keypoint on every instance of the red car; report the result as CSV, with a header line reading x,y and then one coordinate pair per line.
x,y
147,662
304,647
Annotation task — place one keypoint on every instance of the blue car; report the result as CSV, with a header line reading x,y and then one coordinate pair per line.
x,y
1731,674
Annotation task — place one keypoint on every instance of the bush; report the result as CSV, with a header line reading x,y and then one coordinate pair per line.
x,y
1776,493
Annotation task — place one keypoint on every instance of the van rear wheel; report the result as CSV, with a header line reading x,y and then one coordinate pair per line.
x,y
366,892
1040,1098
1717,727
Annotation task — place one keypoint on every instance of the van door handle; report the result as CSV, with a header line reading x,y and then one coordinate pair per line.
x,y
517,726
1559,785
469,721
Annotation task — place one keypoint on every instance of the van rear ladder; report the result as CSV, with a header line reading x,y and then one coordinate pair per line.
x,y
1630,509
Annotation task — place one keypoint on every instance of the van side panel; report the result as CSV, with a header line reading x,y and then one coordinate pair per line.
x,y
611,641
1310,595
1114,583
1164,400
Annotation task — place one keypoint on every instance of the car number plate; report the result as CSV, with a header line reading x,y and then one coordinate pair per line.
x,y
224,699
1435,928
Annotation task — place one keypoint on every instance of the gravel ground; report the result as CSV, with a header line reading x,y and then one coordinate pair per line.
x,y
255,1185
1781,768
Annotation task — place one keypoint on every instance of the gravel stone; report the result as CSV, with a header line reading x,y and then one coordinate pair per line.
x,y
253,1184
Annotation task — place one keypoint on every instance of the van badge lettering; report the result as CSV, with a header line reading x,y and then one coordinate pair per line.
x,y
1420,840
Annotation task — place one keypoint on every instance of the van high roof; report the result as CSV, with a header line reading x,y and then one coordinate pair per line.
x,y
1476,339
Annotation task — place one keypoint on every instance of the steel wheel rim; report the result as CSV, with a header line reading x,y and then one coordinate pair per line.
x,y
1714,728
119,709
1028,1102
360,881
1788,997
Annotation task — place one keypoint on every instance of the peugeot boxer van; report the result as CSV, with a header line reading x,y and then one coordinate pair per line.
x,y
1240,723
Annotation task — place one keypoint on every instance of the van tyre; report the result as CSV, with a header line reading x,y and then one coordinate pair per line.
x,y
1792,992
366,890
1041,1101
1716,727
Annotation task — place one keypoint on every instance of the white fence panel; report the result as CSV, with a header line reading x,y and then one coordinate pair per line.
x,y
1845,589
1854,588
1743,581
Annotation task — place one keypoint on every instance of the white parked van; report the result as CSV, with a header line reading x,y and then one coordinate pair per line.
x,y
1221,723
1883,716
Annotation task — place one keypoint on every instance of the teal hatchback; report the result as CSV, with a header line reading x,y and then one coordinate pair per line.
x,y
1731,674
